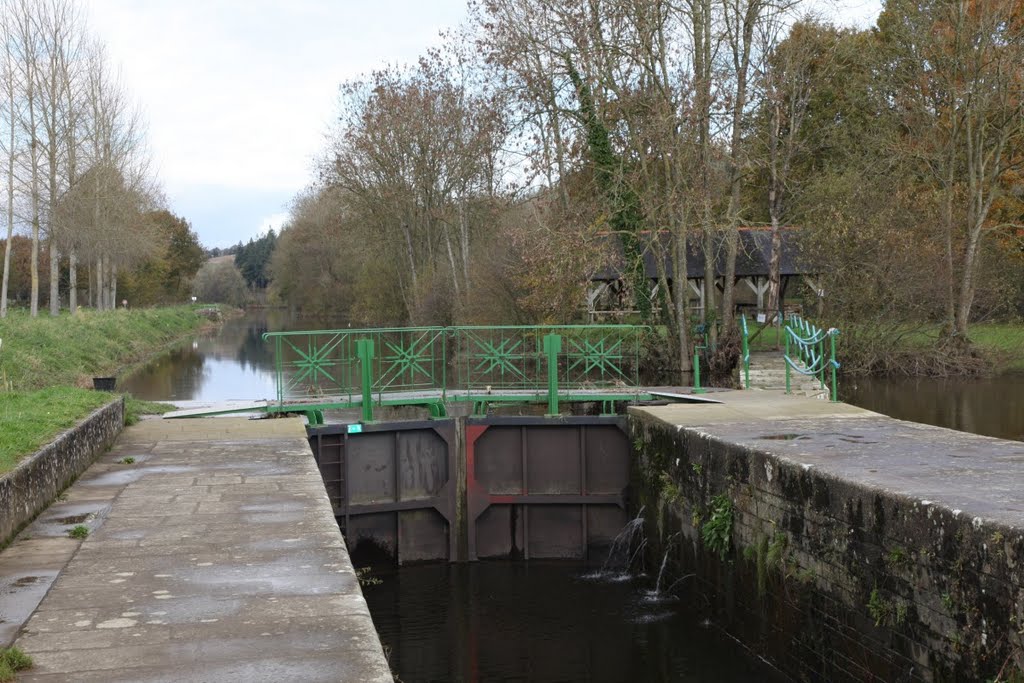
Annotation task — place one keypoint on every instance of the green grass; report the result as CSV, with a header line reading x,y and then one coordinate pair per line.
x,y
1004,340
30,419
79,532
72,349
42,359
12,660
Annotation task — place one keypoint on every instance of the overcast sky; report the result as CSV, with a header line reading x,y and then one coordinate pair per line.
x,y
239,93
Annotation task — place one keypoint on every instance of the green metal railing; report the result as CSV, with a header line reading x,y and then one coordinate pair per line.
x,y
746,351
806,352
339,368
700,331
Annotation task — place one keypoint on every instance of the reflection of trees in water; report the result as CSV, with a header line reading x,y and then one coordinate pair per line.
x,y
179,369
254,353
180,373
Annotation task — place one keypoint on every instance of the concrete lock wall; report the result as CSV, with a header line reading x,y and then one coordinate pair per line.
x,y
31,486
826,578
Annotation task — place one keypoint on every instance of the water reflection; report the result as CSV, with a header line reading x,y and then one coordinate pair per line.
x,y
990,406
231,362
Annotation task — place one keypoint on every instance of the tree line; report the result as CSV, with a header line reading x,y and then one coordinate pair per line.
x,y
481,183
76,167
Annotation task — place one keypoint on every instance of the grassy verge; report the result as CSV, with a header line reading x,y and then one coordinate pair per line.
x,y
43,359
135,408
30,419
1004,341
72,349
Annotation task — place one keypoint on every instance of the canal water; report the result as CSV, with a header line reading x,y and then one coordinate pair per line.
x,y
545,621
993,406
548,621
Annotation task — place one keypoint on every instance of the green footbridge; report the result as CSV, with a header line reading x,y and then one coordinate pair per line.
x,y
435,367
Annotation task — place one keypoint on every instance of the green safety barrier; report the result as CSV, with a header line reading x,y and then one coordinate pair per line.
x,y
806,351
424,365
746,351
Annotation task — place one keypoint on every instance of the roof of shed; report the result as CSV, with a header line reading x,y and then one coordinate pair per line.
x,y
752,258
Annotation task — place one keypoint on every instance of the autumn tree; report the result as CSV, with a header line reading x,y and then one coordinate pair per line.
x,y
956,76
415,155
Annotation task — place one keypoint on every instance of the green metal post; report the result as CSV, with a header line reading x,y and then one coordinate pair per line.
x,y
364,350
552,347
821,357
835,396
696,371
746,356
279,370
785,331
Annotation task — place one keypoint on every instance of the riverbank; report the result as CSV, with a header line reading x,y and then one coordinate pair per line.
x,y
69,350
47,363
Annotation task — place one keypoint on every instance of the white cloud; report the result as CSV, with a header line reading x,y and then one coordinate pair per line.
x,y
239,93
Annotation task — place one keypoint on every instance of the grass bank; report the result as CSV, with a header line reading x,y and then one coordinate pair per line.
x,y
31,419
70,349
46,363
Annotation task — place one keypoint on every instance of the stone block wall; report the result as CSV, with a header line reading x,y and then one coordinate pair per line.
x,y
30,487
826,578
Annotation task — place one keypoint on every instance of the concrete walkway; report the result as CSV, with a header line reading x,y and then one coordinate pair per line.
x,y
213,557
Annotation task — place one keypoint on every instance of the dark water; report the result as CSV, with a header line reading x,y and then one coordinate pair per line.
x,y
991,406
544,621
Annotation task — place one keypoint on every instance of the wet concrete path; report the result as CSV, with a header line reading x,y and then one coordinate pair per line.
x,y
213,555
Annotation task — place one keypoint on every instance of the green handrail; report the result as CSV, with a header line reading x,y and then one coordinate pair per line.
x,y
746,351
363,366
810,357
701,331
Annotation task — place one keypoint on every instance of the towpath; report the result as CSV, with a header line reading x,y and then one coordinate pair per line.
x,y
213,555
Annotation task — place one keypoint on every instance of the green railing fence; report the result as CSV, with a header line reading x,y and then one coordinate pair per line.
x,y
469,363
811,351
745,359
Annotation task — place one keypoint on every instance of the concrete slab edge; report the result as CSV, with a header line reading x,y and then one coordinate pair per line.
x,y
37,480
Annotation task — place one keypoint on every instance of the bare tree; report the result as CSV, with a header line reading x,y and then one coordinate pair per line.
x,y
786,81
10,143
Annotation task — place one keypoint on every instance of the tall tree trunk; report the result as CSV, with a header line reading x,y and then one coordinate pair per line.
x,y
34,297
73,281
947,229
680,295
100,300
54,275
7,263
451,262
